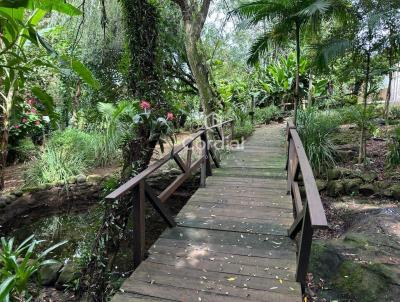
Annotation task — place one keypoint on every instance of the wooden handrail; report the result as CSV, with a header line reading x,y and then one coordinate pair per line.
x,y
310,213
138,185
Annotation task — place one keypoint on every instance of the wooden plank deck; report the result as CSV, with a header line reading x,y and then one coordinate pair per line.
x,y
231,241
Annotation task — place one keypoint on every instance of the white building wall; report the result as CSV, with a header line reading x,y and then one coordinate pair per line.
x,y
395,93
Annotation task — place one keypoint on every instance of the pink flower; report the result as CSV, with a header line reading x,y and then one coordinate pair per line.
x,y
16,126
145,105
37,123
31,102
33,111
24,120
170,116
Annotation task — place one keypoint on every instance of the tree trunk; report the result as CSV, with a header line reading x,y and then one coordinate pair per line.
x,y
142,34
310,94
194,17
3,147
363,141
75,104
297,89
389,90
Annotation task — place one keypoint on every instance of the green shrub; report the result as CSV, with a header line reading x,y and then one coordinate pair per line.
x,y
55,165
69,153
243,131
393,155
394,113
18,266
267,114
315,128
26,150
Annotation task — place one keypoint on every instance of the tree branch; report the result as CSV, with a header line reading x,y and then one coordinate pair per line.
x,y
201,18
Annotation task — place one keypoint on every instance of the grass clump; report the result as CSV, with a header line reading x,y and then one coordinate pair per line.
x,y
315,129
243,130
267,114
69,153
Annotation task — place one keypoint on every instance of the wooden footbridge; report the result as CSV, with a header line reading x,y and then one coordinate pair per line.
x,y
234,239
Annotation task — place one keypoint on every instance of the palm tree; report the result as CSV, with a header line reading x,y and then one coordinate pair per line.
x,y
287,17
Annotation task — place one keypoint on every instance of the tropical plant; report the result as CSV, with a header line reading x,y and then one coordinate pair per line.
x,y
267,114
18,266
287,18
279,78
18,22
315,128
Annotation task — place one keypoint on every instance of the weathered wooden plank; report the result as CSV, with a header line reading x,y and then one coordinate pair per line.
x,y
194,255
237,285
231,241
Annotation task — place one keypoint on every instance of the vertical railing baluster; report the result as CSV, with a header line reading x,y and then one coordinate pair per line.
x,y
232,131
139,225
303,256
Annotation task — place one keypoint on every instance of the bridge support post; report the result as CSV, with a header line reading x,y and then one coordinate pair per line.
x,y
304,252
139,225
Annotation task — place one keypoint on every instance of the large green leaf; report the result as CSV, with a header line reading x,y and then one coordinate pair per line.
x,y
82,71
6,287
59,6
45,99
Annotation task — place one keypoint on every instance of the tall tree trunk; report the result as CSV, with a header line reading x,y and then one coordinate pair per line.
x,y
75,104
363,140
141,29
310,88
297,89
6,106
389,90
3,147
194,16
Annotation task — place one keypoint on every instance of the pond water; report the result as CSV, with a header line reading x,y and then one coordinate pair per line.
x,y
79,227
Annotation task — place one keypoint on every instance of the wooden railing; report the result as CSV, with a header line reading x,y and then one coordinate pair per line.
x,y
144,191
309,213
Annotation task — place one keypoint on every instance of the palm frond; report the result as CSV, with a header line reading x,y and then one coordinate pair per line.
x,y
259,48
330,50
261,10
318,7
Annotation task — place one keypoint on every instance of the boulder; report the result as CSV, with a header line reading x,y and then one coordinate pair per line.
x,y
352,185
80,178
334,174
369,176
321,184
335,188
71,180
94,178
69,273
395,191
367,189
48,274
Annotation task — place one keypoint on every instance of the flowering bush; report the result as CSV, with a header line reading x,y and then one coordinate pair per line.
x,y
30,121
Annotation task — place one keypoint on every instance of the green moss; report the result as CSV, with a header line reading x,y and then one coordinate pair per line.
x,y
360,282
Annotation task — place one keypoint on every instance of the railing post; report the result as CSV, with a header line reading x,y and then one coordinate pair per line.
x,y
303,256
232,131
206,148
139,225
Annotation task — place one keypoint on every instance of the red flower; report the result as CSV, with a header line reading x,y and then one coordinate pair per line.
x,y
24,120
145,105
170,116
37,122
